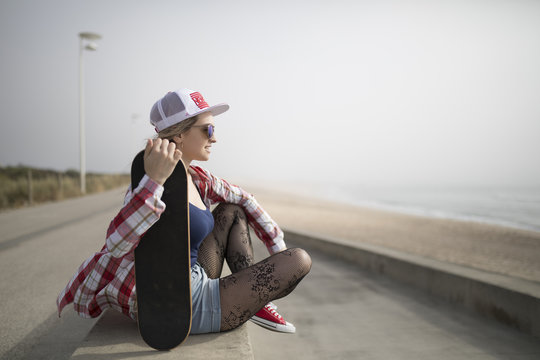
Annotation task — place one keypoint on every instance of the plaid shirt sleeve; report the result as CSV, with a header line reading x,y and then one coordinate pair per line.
x,y
216,190
106,279
142,209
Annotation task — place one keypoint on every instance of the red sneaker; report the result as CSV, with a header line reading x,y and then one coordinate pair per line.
x,y
268,318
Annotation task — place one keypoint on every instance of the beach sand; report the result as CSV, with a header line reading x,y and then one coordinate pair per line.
x,y
508,251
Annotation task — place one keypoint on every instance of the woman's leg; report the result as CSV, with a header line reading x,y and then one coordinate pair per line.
x,y
228,240
250,286
245,292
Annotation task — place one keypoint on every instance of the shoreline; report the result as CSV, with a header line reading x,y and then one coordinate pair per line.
x,y
411,205
485,246
444,215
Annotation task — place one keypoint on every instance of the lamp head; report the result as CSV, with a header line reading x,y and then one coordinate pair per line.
x,y
89,36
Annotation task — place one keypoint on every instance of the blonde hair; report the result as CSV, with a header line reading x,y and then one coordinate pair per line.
x,y
177,129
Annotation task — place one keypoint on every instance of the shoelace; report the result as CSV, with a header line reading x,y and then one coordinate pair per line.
x,y
273,312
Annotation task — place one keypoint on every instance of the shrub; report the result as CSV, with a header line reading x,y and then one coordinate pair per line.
x,y
50,185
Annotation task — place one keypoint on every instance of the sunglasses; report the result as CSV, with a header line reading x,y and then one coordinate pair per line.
x,y
209,129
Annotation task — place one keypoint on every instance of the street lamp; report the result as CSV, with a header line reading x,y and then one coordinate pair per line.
x,y
86,42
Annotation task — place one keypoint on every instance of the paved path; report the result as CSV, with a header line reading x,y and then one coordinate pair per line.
x,y
40,249
342,312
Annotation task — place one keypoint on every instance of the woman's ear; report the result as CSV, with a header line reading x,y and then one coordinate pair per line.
x,y
177,139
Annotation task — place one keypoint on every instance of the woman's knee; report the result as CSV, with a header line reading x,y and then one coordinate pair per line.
x,y
301,258
231,211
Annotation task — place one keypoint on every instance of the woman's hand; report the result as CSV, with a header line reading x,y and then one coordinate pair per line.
x,y
160,159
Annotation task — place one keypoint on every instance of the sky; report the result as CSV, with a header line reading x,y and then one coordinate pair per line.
x,y
386,92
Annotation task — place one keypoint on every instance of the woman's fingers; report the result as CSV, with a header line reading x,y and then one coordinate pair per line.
x,y
161,144
165,147
170,149
148,148
177,155
174,152
160,159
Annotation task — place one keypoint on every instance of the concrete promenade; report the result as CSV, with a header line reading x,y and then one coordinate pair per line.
x,y
341,310
41,247
344,311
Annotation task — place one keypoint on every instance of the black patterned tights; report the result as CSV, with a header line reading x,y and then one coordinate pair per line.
x,y
250,286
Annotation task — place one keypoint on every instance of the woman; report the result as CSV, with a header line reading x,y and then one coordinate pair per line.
x,y
185,126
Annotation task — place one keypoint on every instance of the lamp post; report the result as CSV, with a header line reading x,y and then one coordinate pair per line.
x,y
86,42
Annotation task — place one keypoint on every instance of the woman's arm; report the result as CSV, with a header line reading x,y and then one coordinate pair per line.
x,y
141,210
144,206
218,190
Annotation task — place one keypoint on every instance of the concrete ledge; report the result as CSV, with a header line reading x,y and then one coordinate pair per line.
x,y
514,302
116,337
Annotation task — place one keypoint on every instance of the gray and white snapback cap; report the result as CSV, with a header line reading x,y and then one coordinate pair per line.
x,y
180,105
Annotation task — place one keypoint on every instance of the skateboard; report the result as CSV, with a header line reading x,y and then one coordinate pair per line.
x,y
162,265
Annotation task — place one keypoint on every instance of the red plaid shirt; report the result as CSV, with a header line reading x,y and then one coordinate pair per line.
x,y
107,279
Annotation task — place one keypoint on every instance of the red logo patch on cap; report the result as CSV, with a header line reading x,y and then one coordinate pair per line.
x,y
199,100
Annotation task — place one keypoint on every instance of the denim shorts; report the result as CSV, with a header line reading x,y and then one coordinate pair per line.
x,y
206,307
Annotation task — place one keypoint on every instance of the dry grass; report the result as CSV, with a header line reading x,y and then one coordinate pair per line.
x,y
49,185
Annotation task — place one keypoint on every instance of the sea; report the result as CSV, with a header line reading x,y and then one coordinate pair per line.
x,y
514,207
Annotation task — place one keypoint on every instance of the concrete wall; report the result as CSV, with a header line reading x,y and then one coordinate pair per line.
x,y
514,302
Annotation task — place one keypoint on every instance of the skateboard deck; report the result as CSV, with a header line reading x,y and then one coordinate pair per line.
x,y
162,265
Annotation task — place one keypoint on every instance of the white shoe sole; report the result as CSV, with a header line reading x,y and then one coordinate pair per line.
x,y
289,328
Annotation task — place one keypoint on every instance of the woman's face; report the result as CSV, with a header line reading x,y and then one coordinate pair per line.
x,y
195,142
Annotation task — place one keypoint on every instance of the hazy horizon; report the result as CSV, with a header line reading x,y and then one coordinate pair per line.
x,y
385,93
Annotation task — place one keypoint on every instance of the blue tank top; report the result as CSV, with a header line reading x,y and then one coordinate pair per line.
x,y
201,223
